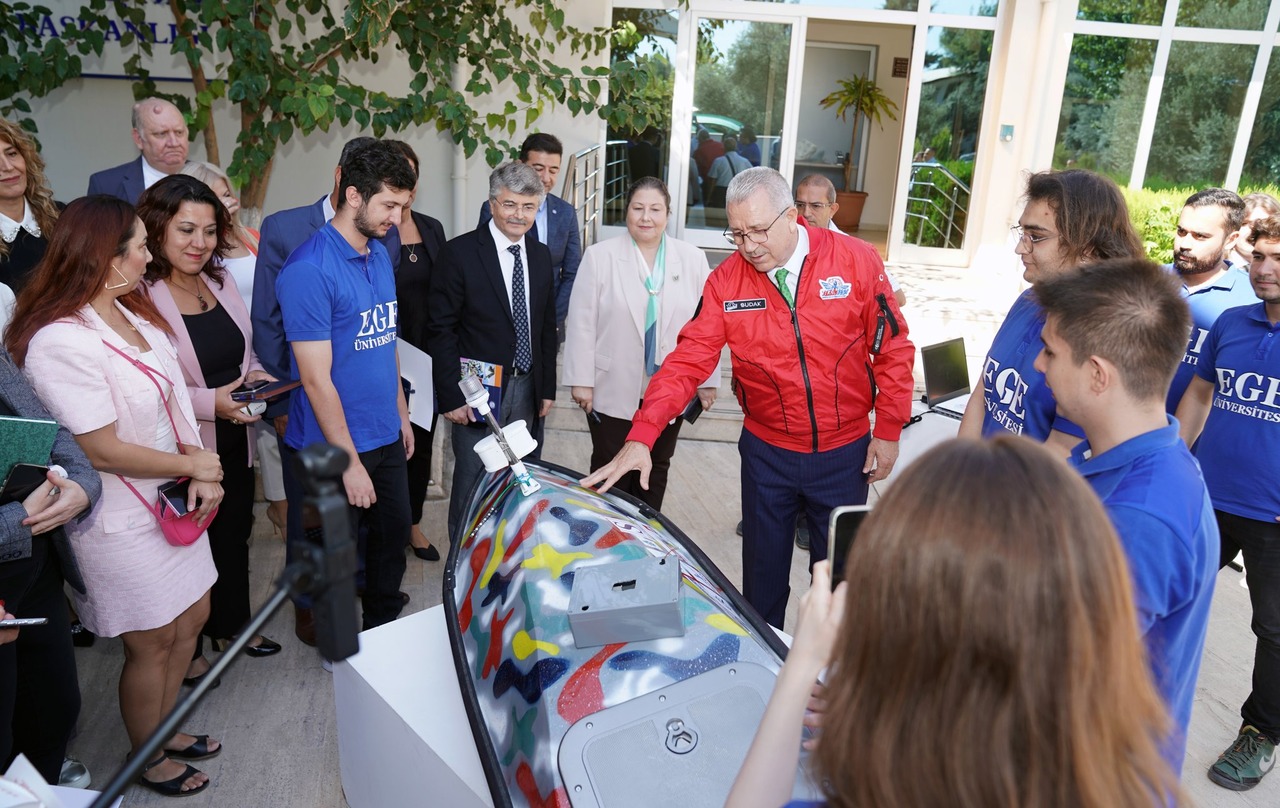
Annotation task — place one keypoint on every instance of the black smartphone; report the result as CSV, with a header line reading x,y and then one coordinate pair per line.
x,y
173,496
845,522
23,478
22,622
263,390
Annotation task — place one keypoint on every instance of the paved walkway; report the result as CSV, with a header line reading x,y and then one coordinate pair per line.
x,y
276,715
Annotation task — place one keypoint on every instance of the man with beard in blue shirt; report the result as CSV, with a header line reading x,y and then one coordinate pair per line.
x,y
1233,407
1114,332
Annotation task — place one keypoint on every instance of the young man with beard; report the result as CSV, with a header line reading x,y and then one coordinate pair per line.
x,y
1207,230
1233,406
337,296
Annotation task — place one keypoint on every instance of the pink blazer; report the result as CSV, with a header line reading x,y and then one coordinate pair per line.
x,y
202,396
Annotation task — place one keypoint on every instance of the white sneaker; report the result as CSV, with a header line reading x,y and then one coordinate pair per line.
x,y
74,774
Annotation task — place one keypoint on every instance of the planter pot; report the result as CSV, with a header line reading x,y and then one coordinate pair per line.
x,y
849,216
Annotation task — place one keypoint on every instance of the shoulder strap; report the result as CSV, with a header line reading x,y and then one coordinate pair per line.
x,y
151,374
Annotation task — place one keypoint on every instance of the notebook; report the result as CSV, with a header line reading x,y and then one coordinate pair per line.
x,y
25,440
946,377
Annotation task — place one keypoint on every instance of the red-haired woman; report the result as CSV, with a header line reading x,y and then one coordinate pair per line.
x,y
98,354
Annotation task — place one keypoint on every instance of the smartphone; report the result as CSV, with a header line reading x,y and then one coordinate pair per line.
x,y
263,390
845,522
23,478
173,496
22,622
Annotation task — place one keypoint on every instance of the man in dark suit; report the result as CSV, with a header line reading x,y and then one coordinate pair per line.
x,y
556,224
282,233
160,133
492,301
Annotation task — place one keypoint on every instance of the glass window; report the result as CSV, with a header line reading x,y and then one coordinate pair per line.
x,y
1262,161
646,38
1199,113
949,120
870,5
973,8
739,94
1107,80
1142,12
1239,15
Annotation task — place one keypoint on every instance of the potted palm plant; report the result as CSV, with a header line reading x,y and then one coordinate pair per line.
x,y
864,98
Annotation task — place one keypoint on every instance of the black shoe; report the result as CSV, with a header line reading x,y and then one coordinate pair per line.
x,y
81,637
265,646
738,529
192,681
171,788
428,553
802,536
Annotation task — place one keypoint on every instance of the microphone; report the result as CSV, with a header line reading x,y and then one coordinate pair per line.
x,y
475,394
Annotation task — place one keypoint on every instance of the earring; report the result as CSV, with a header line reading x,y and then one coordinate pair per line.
x,y
124,281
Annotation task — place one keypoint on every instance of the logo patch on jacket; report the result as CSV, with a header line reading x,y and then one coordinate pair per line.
x,y
833,288
750,304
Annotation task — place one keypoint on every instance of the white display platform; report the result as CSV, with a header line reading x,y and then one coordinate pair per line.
x,y
919,438
403,734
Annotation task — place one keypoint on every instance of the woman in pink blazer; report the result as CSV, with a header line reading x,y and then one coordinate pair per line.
x,y
632,296
186,231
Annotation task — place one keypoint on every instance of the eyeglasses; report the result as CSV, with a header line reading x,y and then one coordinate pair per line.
x,y
738,238
817,206
1030,238
511,207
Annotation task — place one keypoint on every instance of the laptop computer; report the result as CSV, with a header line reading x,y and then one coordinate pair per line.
x,y
946,377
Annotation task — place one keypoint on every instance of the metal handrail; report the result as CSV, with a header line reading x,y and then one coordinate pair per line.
x,y
582,188
948,198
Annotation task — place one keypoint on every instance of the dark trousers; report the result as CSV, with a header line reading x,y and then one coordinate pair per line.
x,y
517,405
39,692
1260,543
419,467
777,486
385,525
229,535
607,437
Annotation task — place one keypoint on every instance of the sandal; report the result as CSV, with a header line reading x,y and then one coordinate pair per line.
x,y
170,788
198,750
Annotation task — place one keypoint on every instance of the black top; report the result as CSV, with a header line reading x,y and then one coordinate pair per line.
x,y
413,278
24,253
218,343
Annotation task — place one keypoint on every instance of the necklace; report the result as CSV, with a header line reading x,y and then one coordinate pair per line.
x,y
413,253
116,326
204,304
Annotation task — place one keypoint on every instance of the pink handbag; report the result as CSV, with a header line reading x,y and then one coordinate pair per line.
x,y
180,530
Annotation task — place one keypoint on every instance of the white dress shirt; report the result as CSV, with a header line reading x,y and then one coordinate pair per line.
x,y
507,262
793,263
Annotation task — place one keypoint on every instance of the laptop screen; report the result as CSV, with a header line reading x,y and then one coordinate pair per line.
x,y
946,372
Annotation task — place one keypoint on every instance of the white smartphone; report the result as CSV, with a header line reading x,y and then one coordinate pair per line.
x,y
844,522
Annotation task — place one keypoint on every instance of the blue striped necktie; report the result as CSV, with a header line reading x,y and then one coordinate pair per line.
x,y
520,313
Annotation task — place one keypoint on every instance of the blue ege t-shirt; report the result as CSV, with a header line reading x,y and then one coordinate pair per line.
x,y
1239,448
1016,397
329,292
1207,303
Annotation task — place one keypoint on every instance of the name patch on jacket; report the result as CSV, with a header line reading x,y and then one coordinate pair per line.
x,y
750,304
833,288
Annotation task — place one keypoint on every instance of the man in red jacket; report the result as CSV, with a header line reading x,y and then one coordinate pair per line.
x,y
805,312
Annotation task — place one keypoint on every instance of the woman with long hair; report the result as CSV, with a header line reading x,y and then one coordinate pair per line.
x,y
97,353
983,651
631,297
27,209
186,226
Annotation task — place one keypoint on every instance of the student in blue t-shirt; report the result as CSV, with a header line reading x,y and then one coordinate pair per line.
x,y
337,296
1071,218
1113,336
1207,231
1233,407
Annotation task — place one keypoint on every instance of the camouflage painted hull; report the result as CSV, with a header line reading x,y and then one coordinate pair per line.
x,y
507,587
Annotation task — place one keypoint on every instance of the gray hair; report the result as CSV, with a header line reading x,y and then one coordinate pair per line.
x,y
760,179
518,178
206,173
820,182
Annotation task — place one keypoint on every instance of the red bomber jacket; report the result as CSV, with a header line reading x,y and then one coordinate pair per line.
x,y
806,380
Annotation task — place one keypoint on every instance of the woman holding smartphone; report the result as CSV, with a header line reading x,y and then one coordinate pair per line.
x,y
98,355
983,651
186,233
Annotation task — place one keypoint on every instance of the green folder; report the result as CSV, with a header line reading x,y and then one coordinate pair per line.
x,y
25,440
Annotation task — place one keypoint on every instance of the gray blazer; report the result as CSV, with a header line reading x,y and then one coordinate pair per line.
x,y
15,538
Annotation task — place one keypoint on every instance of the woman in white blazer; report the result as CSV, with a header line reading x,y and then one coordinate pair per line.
x,y
186,233
632,296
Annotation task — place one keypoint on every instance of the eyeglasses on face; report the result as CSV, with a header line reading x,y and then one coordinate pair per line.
x,y
738,237
818,206
1029,237
508,206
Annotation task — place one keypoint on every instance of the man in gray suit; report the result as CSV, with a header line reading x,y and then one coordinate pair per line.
x,y
160,133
